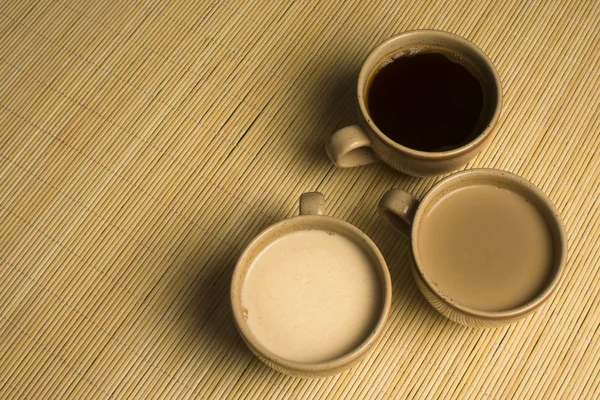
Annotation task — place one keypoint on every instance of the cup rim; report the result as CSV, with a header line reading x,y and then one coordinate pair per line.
x,y
559,238
323,366
427,155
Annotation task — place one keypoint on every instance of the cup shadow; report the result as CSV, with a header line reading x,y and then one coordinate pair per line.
x,y
208,312
333,108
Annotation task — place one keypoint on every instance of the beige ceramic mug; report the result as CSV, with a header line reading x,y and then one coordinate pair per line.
x,y
364,143
310,295
487,247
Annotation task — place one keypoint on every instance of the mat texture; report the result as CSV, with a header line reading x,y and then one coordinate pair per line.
x,y
143,144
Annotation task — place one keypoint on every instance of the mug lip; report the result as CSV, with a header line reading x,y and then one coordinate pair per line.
x,y
419,154
338,363
560,239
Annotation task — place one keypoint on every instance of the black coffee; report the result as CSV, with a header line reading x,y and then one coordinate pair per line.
x,y
426,102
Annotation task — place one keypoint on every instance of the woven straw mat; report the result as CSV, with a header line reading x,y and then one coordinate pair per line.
x,y
144,143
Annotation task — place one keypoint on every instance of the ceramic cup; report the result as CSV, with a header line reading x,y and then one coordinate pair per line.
x,y
311,218
364,143
409,216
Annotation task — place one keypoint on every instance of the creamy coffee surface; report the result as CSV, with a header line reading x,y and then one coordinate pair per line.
x,y
312,296
486,247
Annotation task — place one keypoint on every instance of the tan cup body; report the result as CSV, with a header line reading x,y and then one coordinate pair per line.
x,y
405,213
311,217
364,143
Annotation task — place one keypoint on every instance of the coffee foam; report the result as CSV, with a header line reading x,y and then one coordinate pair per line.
x,y
312,296
486,247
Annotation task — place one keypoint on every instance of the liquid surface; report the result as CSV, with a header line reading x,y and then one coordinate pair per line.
x,y
486,248
426,102
312,296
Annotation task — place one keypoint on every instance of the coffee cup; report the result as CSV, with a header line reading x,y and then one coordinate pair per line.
x,y
365,143
487,247
311,294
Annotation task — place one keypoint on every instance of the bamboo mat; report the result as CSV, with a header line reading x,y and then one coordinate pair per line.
x,y
143,144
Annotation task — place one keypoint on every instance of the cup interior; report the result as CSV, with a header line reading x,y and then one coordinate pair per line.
x,y
516,185
470,56
292,225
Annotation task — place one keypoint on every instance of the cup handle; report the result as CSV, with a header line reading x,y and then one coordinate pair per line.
x,y
312,203
350,147
398,208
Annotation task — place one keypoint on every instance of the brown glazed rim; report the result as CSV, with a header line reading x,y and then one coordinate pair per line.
x,y
375,58
545,206
339,363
